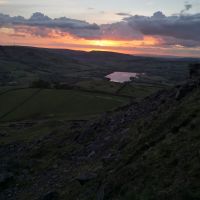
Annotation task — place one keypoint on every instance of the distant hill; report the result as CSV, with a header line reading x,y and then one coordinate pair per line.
x,y
21,65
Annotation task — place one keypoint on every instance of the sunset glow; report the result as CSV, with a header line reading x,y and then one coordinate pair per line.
x,y
68,41
117,43
9,37
157,33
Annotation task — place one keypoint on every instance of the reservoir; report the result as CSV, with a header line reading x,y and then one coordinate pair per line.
x,y
122,77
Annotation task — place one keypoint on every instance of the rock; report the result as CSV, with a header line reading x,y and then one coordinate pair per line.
x,y
107,138
51,196
91,154
101,193
5,179
84,178
75,125
183,91
3,134
108,158
55,166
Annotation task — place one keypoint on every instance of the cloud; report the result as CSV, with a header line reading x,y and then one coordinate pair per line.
x,y
40,25
185,27
120,31
187,8
39,19
2,2
182,29
123,14
171,41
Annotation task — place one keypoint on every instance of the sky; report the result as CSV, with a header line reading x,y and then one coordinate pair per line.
x,y
147,27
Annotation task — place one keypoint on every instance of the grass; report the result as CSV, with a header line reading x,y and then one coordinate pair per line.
x,y
50,103
4,89
12,99
167,168
160,158
139,91
100,85
133,89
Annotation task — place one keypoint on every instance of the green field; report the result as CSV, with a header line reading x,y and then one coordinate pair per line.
x,y
50,103
137,91
99,85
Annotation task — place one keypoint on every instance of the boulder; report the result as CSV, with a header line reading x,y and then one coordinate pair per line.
x,y
85,177
6,179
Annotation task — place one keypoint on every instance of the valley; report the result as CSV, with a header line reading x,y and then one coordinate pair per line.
x,y
69,133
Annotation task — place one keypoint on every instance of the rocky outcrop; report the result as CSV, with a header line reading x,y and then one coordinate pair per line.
x,y
102,158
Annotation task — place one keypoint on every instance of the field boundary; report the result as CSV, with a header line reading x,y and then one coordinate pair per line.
x,y
20,104
102,92
12,89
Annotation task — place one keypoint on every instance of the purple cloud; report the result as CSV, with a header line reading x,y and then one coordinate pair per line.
x,y
185,27
182,29
39,19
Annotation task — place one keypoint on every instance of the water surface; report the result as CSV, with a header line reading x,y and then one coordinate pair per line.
x,y
122,77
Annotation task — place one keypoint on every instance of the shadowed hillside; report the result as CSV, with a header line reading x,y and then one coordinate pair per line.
x,y
146,150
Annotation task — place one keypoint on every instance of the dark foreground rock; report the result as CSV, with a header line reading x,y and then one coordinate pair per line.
x,y
147,150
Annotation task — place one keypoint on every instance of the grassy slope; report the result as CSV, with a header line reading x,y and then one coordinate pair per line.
x,y
99,85
137,91
161,160
12,99
158,159
25,64
35,103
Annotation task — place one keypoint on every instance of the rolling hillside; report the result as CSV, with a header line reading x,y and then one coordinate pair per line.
x,y
21,65
82,137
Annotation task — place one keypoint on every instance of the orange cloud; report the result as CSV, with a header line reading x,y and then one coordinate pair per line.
x,y
147,45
